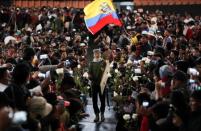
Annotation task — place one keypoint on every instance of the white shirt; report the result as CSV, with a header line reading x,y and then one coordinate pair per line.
x,y
2,87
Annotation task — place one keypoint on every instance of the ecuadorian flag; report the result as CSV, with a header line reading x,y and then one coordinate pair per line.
x,y
100,13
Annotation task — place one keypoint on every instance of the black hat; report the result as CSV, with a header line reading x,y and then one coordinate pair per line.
x,y
180,75
182,65
28,53
159,50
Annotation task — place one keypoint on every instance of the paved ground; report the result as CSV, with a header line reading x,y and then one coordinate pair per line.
x,y
109,124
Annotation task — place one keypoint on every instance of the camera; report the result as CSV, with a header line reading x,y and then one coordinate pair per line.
x,y
171,112
42,57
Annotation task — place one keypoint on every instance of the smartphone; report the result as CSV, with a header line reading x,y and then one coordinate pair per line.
x,y
145,103
42,57
150,53
41,75
67,38
67,63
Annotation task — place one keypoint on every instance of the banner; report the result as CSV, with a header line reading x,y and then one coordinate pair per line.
x,y
105,76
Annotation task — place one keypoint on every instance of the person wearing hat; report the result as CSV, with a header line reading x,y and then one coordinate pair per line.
x,y
167,42
38,108
96,70
179,83
144,44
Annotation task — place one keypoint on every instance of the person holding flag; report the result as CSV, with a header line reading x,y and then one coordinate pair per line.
x,y
100,13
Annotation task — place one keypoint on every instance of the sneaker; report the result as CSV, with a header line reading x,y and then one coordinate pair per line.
x,y
102,117
96,118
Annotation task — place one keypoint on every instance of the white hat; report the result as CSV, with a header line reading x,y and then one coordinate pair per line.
x,y
8,39
151,33
144,32
82,44
96,50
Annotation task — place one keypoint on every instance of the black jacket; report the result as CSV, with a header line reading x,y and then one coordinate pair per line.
x,y
195,121
18,95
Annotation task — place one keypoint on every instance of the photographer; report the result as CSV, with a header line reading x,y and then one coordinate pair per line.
x,y
142,103
179,83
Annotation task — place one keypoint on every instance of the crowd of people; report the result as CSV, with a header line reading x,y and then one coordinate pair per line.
x,y
155,69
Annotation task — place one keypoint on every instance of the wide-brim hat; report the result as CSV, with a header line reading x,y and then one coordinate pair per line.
x,y
96,51
39,105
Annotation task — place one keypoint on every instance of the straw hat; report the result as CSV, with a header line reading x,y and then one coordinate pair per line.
x,y
39,105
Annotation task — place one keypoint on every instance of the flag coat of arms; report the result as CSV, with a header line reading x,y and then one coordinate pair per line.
x,y
100,13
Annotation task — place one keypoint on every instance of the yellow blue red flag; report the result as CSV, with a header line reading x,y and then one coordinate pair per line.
x,y
100,13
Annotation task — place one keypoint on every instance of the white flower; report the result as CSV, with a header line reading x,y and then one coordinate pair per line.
x,y
85,75
115,93
135,78
88,87
70,72
134,116
109,75
116,71
79,66
129,62
112,65
119,74
126,117
139,61
147,61
144,58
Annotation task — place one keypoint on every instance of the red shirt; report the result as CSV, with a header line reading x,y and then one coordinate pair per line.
x,y
144,124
